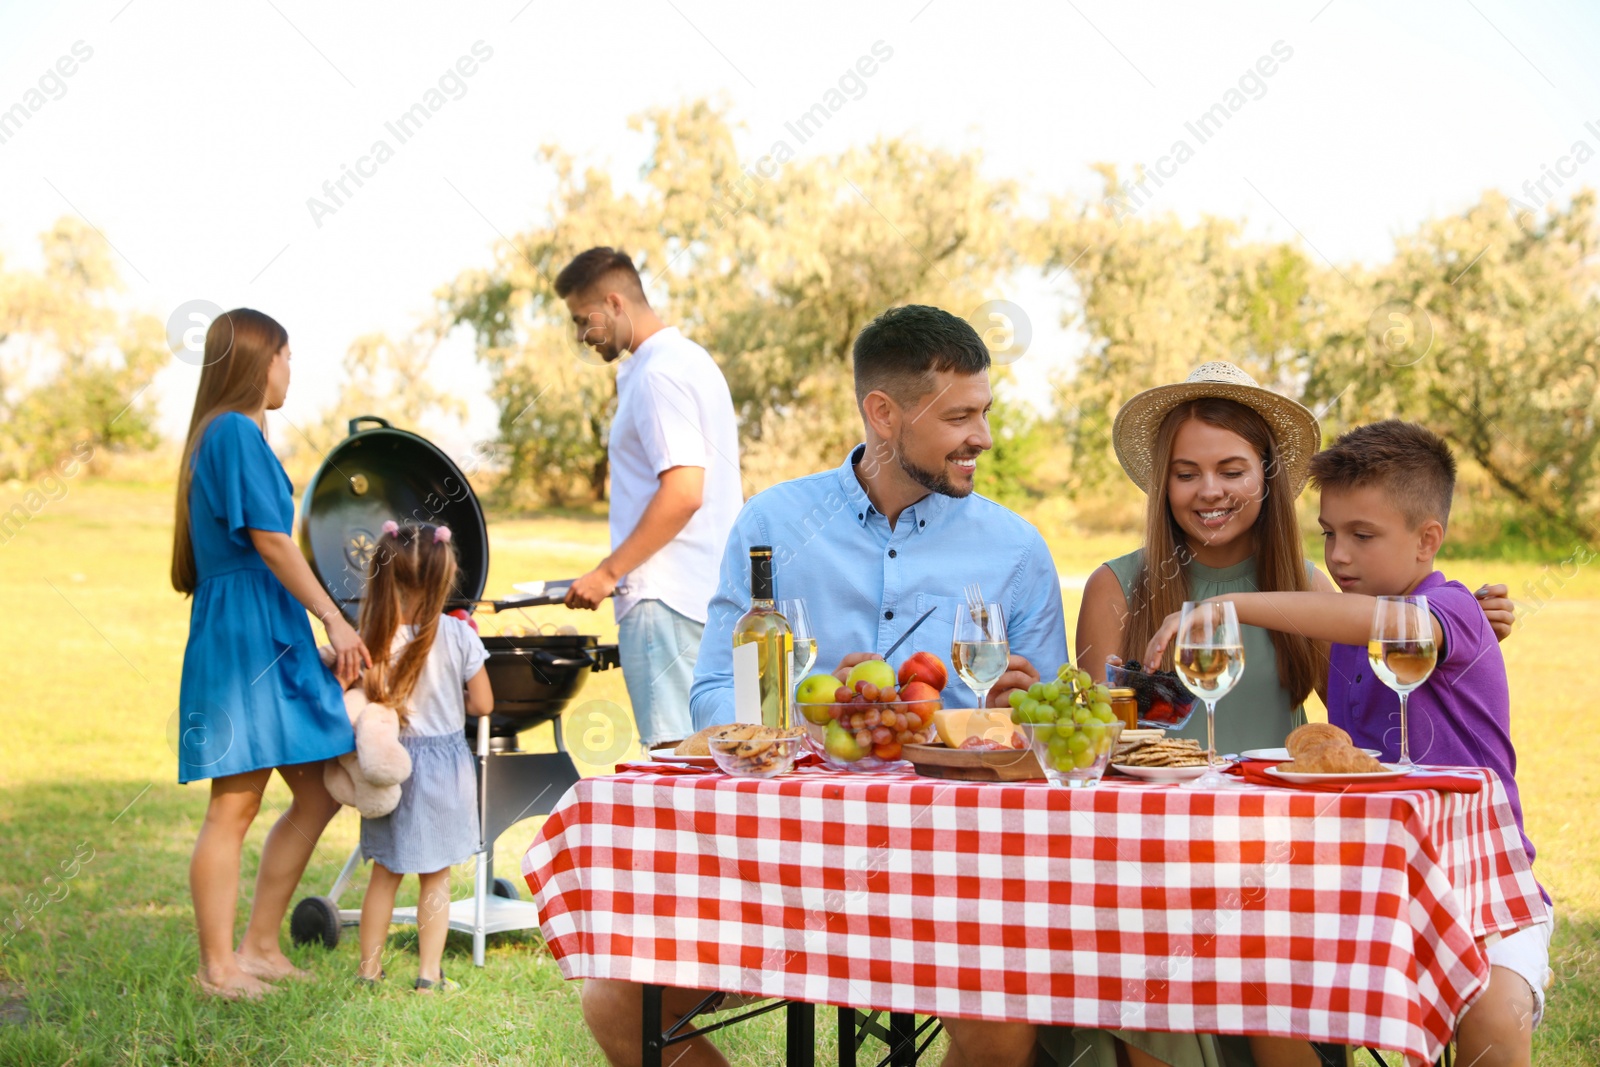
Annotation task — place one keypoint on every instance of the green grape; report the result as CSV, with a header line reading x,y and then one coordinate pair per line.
x,y
1026,706
1045,731
1108,717
1017,697
1101,692
1081,716
1100,708
1063,706
1052,690
1066,727
1036,691
1059,749
1078,743
1084,681
1094,730
1065,672
1103,745
1084,760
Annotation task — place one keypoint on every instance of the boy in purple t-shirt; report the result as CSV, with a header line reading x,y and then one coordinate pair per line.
x,y
1386,491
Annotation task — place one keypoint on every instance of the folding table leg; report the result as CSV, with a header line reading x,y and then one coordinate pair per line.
x,y
802,1038
651,1045
847,1037
902,1039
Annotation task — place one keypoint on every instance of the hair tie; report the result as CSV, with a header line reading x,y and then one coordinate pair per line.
x,y
441,534
391,527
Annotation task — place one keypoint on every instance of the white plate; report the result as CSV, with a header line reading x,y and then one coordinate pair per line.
x,y
1390,771
1164,774
1282,754
666,755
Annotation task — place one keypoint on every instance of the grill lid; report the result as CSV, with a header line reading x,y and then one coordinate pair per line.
x,y
374,475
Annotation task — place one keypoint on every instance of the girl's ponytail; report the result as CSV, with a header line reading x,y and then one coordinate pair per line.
x,y
412,571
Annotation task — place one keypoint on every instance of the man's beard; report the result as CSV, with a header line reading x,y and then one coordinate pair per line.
x,y
933,481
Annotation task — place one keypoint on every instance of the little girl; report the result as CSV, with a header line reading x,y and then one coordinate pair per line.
x,y
422,660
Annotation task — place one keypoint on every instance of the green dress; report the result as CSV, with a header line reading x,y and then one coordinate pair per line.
x,y
1257,714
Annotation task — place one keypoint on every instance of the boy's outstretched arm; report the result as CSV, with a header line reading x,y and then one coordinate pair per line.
x,y
1341,618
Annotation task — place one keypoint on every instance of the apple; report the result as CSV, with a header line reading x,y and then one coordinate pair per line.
x,y
818,689
820,714
918,691
874,672
924,667
841,743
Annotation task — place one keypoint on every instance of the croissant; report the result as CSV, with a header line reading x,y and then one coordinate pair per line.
x,y
1331,757
1313,734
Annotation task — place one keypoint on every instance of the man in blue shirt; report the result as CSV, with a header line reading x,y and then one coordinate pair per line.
x,y
871,545
895,529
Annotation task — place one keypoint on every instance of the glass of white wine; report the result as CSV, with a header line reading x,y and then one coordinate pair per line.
x,y
1209,656
1402,651
979,649
805,638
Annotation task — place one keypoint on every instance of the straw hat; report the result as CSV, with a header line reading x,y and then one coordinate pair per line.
x,y
1294,428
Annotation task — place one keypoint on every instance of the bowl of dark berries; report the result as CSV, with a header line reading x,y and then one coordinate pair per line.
x,y
1163,699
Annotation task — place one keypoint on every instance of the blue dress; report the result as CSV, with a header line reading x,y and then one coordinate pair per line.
x,y
254,692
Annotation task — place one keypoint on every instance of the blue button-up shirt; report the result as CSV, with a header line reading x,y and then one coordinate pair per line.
x,y
864,583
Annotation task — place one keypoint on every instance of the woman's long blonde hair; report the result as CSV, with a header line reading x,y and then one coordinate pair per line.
x,y
240,346
1163,583
412,567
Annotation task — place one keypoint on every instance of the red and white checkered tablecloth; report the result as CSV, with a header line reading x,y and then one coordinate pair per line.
x,y
1352,918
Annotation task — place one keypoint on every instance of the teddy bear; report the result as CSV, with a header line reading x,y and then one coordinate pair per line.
x,y
369,778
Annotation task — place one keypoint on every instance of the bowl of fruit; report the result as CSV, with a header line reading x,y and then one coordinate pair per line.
x,y
1163,699
1070,726
863,725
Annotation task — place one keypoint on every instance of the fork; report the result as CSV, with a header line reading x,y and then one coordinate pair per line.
x,y
975,605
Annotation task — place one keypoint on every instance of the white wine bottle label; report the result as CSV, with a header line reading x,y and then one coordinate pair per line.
x,y
747,683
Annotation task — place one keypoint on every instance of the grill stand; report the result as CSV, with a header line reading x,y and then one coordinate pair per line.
x,y
512,786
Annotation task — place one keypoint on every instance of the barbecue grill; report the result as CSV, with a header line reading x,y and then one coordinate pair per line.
x,y
379,473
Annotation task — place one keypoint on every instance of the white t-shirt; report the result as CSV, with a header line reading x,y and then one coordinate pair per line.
x,y
674,410
437,704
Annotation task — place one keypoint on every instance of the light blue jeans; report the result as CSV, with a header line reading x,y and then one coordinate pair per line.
x,y
659,647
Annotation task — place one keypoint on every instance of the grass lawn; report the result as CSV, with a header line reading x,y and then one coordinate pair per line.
x,y
100,975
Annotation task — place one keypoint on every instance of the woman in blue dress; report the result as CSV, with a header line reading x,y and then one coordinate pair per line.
x,y
255,696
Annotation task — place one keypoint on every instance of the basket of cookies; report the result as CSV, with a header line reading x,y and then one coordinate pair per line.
x,y
745,750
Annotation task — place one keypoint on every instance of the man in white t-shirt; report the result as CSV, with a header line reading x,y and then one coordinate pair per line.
x,y
675,487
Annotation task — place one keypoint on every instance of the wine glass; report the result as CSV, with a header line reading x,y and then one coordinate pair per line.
x,y
1402,651
1209,656
805,638
979,649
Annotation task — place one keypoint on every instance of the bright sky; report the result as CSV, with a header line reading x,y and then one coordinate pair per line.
x,y
193,134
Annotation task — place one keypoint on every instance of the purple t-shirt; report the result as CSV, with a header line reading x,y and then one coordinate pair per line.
x,y
1459,717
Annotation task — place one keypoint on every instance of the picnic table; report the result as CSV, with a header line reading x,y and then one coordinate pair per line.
x,y
1355,918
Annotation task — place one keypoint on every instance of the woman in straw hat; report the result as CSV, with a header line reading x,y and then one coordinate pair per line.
x,y
1221,460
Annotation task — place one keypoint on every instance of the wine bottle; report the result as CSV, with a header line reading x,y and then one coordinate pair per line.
x,y
768,630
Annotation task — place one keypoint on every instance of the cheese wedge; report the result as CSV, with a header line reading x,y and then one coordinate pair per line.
x,y
958,724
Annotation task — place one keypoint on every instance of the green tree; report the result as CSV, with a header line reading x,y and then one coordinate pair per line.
x,y
1483,326
773,271
74,367
1159,297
